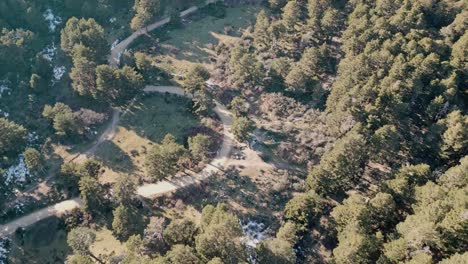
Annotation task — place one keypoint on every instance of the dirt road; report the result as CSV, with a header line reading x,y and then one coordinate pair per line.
x,y
148,190
56,209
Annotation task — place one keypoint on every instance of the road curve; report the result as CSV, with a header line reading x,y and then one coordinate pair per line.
x,y
217,164
113,60
56,209
146,190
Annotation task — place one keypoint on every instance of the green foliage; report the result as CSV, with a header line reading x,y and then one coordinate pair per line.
x,y
385,144
124,189
79,259
288,232
127,221
202,102
381,212
220,235
80,240
216,9
65,122
182,254
242,127
145,11
239,106
245,67
291,15
455,259
455,137
83,76
180,231
277,4
408,176
87,33
16,47
215,261
93,195
200,146
162,159
340,168
276,251
13,138
34,160
118,86
71,173
305,74
302,209
350,212
356,247
457,176
36,82
195,79
262,39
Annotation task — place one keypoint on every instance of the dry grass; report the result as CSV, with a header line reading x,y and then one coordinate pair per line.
x,y
192,42
146,123
106,243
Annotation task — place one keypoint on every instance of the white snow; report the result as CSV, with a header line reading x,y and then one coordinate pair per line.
x,y
3,88
52,19
4,250
59,71
112,19
49,52
254,233
119,56
3,113
16,173
32,138
114,44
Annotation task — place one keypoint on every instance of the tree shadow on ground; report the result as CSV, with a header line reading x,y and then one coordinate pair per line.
x,y
112,156
226,187
44,242
155,115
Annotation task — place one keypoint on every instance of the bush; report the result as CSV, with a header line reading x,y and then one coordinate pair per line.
x,y
217,9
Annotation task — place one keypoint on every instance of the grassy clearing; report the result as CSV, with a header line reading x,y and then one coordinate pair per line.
x,y
191,43
106,243
44,242
147,122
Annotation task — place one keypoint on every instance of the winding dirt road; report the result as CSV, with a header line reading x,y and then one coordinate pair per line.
x,y
147,190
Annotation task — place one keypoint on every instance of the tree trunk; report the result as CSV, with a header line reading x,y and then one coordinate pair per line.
x,y
96,258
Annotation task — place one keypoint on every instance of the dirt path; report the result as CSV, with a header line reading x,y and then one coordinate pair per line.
x,y
56,209
109,132
149,190
217,164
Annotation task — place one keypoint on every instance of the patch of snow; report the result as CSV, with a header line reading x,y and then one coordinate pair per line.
x,y
49,52
114,44
32,138
4,250
59,71
112,19
254,233
4,88
19,208
118,56
3,113
52,19
17,173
